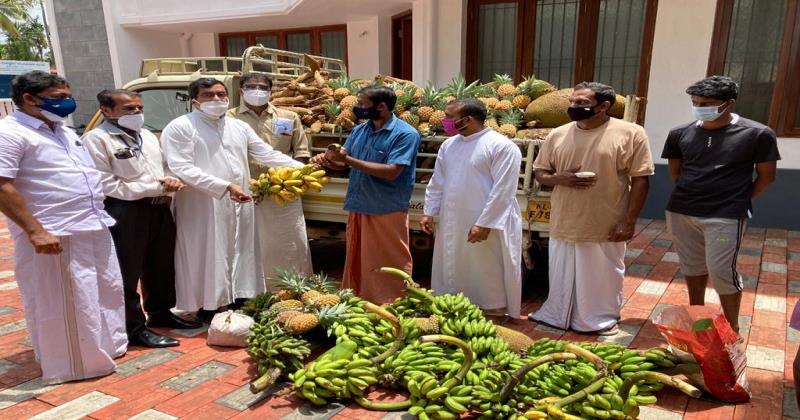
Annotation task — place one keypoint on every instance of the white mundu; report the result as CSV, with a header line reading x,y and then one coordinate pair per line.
x,y
216,252
73,301
475,183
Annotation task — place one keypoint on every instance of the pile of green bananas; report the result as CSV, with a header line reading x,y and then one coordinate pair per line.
x,y
276,352
335,374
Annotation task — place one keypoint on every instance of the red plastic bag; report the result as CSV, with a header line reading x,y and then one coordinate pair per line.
x,y
706,336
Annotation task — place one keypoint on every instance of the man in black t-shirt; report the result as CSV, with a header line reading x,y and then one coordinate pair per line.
x,y
712,161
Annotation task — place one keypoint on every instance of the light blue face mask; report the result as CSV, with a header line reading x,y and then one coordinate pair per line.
x,y
707,113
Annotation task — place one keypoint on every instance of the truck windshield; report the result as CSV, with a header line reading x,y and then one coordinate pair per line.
x,y
162,106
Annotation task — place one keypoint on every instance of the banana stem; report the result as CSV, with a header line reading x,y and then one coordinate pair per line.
x,y
469,356
521,372
682,386
382,406
597,361
266,380
399,273
583,393
397,329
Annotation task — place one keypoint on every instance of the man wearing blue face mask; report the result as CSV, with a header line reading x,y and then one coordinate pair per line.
x,y
382,155
712,161
66,264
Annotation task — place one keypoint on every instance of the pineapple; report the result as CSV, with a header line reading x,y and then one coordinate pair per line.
x,y
284,295
301,323
332,110
424,129
418,92
431,99
509,121
283,317
327,90
503,105
310,296
346,118
348,102
521,101
321,282
504,85
326,300
291,281
491,122
410,117
491,103
527,92
286,305
342,86
436,119
405,99
459,89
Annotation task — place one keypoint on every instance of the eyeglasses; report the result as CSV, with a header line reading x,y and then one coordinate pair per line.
x,y
212,95
257,87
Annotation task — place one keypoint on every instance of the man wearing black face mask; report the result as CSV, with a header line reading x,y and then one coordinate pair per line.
x,y
138,196
593,212
382,156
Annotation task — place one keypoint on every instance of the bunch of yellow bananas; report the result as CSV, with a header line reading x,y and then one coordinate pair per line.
x,y
283,185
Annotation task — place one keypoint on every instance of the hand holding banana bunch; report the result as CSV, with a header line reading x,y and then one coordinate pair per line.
x,y
283,185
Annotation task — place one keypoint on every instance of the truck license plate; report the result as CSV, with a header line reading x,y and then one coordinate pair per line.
x,y
539,211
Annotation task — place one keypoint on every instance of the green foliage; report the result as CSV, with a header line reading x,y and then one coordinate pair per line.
x,y
27,43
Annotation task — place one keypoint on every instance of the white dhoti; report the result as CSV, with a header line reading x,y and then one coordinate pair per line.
x,y
74,306
585,285
282,237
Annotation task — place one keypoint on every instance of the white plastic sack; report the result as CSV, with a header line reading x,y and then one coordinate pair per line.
x,y
229,329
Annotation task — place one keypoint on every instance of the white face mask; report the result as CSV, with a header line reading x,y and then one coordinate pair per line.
x,y
256,97
131,122
214,109
53,117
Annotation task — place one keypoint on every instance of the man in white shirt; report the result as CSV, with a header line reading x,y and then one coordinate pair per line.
x,y
66,265
216,253
478,247
138,197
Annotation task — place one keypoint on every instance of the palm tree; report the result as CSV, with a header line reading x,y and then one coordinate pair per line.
x,y
12,11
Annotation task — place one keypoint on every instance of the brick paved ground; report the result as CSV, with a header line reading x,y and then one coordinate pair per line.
x,y
197,381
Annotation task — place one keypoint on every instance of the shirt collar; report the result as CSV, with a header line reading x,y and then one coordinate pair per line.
x,y
111,128
31,121
388,126
476,135
244,109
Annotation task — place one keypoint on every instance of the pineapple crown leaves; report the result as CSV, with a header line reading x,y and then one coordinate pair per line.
x,y
502,79
342,82
330,314
321,283
332,109
431,97
513,116
459,88
487,91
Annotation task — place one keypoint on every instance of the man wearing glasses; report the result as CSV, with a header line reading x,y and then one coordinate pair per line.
x,y
138,196
216,263
281,229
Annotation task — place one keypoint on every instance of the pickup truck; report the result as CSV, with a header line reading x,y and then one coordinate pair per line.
x,y
163,85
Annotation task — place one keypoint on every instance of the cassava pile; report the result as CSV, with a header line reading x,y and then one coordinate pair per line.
x,y
449,359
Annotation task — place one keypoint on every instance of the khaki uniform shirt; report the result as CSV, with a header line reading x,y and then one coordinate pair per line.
x,y
615,152
273,126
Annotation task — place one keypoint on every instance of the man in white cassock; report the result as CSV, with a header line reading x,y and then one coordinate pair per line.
x,y
217,259
478,246
66,263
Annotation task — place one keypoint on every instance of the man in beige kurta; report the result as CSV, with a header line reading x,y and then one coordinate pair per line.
x,y
599,168
281,230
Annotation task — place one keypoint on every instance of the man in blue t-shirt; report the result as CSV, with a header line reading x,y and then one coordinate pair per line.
x,y
381,154
712,161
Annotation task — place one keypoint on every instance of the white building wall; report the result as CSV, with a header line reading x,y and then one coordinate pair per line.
x,y
439,34
369,47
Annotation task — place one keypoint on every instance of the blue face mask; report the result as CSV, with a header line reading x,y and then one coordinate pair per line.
x,y
707,113
60,107
364,113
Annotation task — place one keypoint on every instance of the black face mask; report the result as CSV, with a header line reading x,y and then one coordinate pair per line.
x,y
364,113
580,113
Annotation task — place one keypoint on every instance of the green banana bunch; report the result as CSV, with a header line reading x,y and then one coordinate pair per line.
x,y
545,346
328,376
271,347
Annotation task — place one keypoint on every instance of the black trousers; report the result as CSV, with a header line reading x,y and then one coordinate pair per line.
x,y
145,240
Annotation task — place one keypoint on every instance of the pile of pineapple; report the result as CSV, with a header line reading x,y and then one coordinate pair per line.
x,y
423,108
